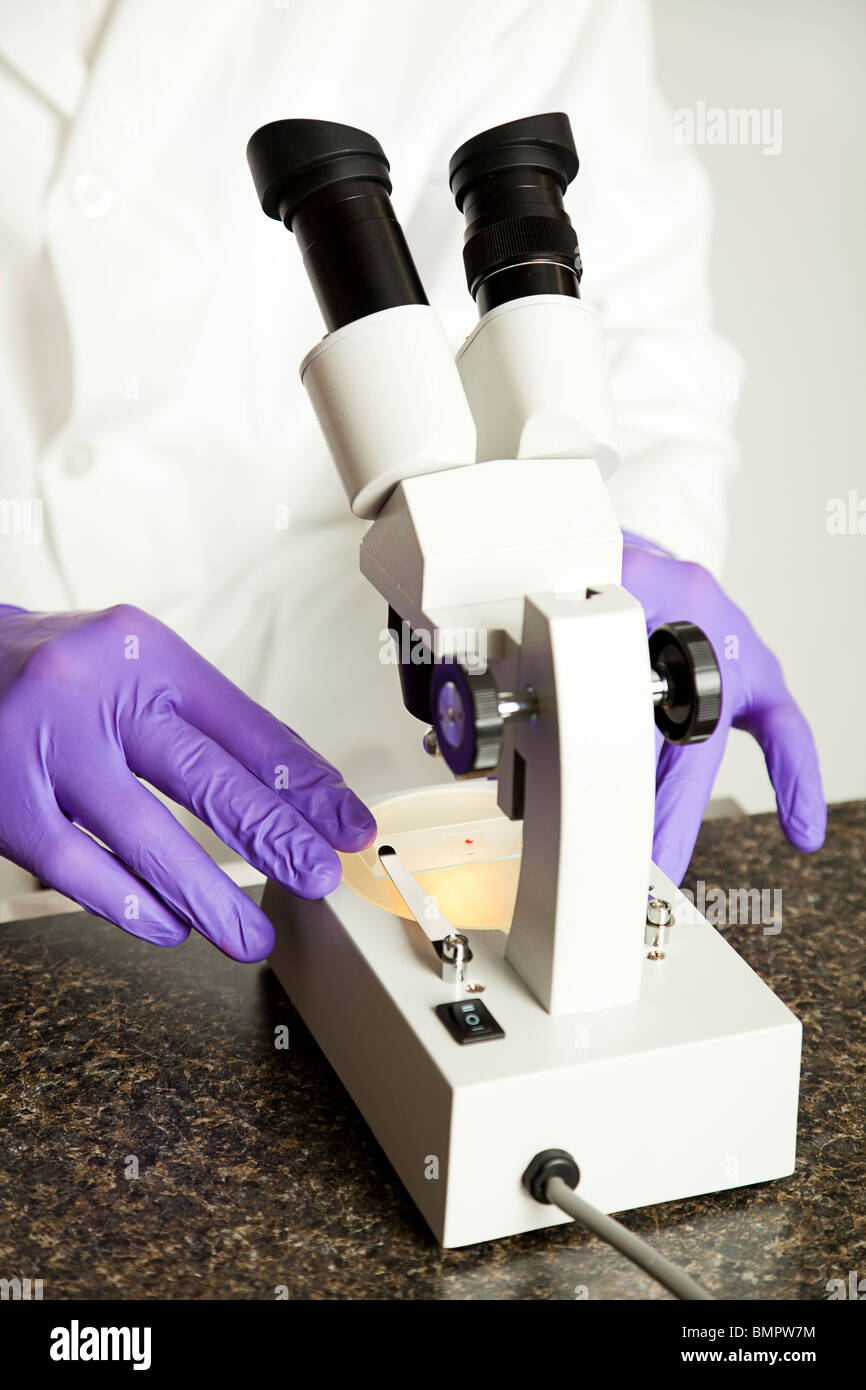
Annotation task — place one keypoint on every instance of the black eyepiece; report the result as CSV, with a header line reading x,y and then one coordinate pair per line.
x,y
329,184
509,183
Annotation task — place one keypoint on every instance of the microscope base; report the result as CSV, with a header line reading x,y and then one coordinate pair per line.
x,y
692,1089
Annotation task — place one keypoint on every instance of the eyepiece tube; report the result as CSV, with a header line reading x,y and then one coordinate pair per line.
x,y
509,184
330,185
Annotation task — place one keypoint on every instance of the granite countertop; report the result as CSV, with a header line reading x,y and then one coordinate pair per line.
x,y
255,1170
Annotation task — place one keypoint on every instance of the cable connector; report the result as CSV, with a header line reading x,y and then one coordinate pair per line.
x,y
550,1163
552,1177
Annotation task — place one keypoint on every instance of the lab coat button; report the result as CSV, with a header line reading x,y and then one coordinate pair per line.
x,y
79,459
92,194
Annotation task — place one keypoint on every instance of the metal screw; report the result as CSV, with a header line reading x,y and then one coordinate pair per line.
x,y
517,704
659,920
430,743
454,956
659,687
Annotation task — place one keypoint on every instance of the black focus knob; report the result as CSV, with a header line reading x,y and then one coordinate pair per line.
x,y
688,690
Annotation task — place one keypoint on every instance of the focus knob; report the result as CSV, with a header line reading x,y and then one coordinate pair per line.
x,y
464,706
469,715
688,683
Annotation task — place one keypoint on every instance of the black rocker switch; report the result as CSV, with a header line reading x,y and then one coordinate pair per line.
x,y
469,1021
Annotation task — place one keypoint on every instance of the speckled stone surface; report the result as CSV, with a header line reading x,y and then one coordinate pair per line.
x,y
255,1169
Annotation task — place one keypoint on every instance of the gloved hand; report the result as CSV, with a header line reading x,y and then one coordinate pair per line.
x,y
754,698
89,702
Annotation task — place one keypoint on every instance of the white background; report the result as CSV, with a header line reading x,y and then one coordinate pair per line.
x,y
789,279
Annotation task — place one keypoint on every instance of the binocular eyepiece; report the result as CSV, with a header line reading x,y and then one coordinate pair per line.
x,y
509,183
330,185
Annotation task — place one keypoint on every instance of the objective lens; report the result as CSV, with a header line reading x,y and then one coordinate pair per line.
x,y
329,184
509,183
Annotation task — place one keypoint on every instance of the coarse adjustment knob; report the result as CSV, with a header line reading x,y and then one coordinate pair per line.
x,y
687,683
469,715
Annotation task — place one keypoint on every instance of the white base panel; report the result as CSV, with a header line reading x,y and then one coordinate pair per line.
x,y
692,1089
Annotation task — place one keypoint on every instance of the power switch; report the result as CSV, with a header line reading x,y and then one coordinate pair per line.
x,y
469,1021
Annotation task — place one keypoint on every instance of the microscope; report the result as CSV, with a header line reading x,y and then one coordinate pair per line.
x,y
505,974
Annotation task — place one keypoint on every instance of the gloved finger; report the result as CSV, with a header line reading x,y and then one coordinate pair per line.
x,y
792,762
269,749
249,817
143,833
76,865
684,782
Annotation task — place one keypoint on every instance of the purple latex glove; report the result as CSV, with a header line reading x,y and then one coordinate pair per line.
x,y
754,698
89,702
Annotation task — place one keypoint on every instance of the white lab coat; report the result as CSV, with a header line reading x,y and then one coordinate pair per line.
x,y
152,319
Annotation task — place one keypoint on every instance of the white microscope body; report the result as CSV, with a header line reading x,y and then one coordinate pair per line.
x,y
654,1055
